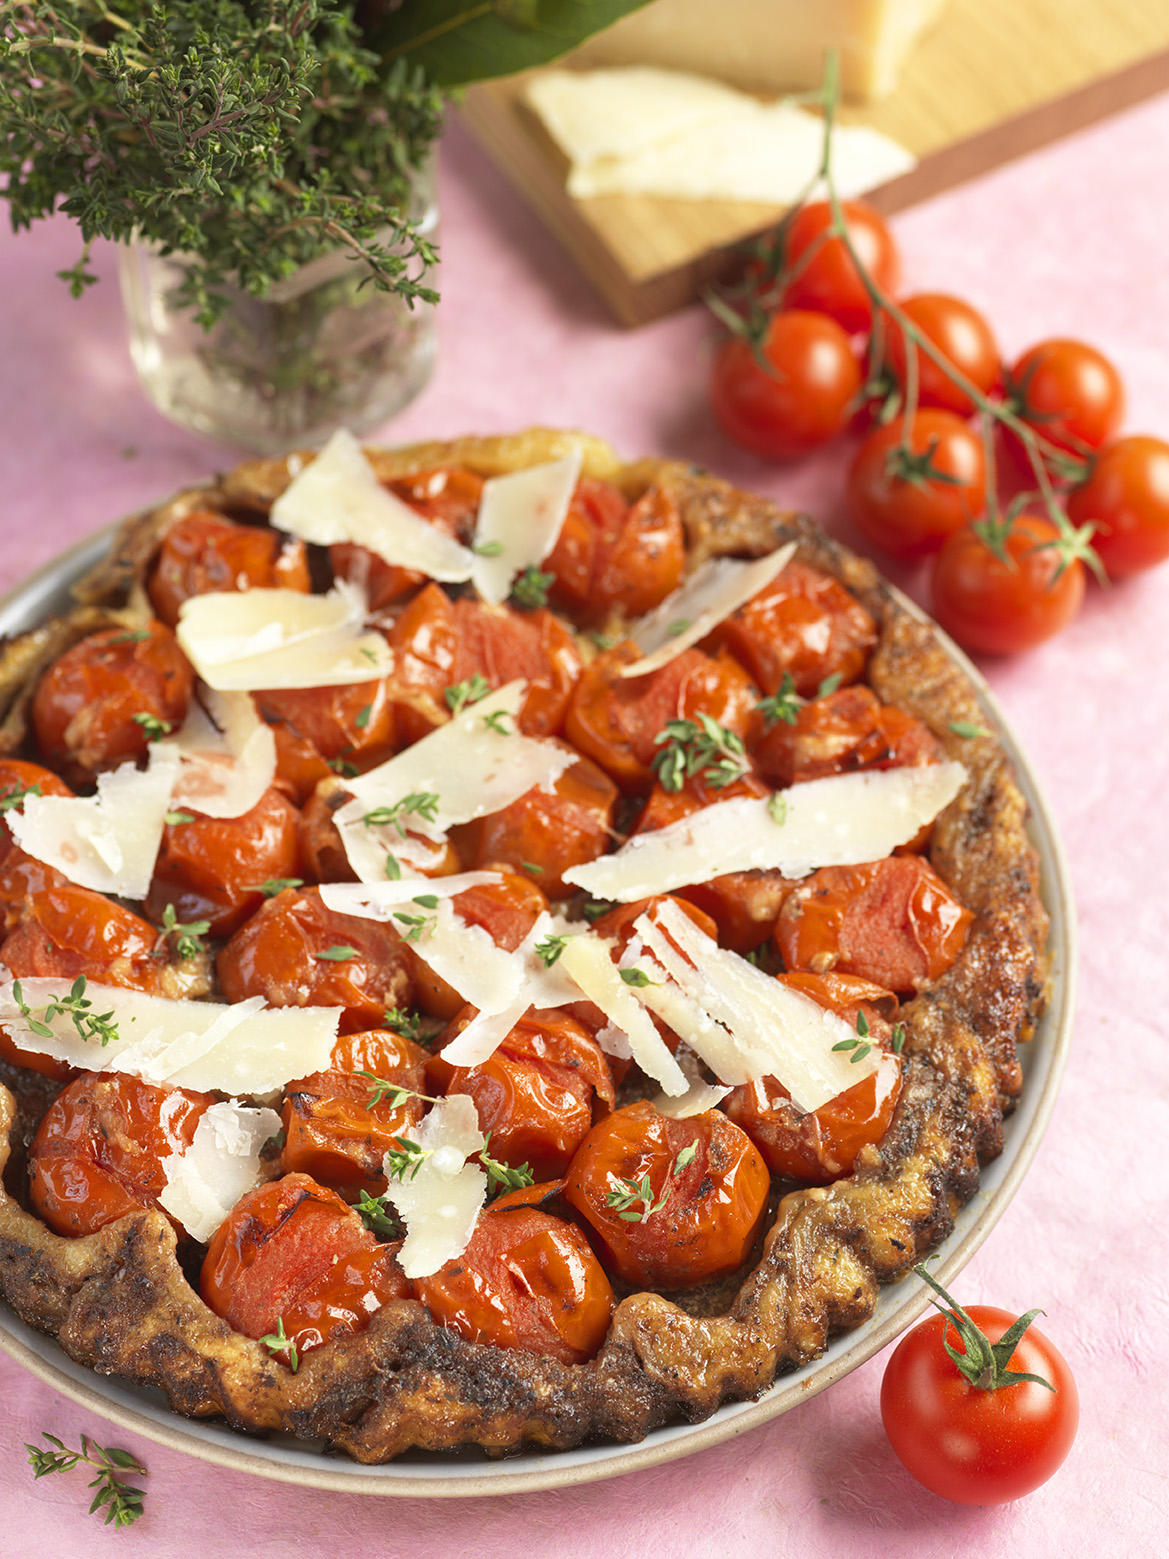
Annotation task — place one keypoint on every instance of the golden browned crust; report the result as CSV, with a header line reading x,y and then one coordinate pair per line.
x,y
118,1300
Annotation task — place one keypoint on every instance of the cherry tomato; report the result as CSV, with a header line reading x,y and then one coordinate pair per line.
x,y
961,334
893,921
612,555
507,910
1069,393
448,497
801,400
526,1280
292,1252
16,776
898,505
205,551
973,1446
84,706
705,1190
839,734
21,876
99,1149
352,725
999,608
827,281
1126,496
300,768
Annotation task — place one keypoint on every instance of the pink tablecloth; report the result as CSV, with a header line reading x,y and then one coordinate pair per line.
x,y
1073,241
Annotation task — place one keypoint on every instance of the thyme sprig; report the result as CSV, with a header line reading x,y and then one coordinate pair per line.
x,y
78,1007
278,1342
378,1217
188,935
633,1200
419,803
471,691
702,746
121,1502
13,800
531,588
501,1176
395,1093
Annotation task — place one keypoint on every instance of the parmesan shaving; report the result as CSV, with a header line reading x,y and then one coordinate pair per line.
x,y
228,756
697,1099
441,1202
520,516
587,959
221,1165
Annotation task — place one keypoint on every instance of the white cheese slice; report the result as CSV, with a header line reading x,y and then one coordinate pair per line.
x,y
244,1048
520,516
714,590
698,1098
844,820
228,755
337,497
440,1204
588,960
108,841
247,639
743,1023
221,1165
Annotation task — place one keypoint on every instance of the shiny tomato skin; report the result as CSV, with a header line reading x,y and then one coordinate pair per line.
x,y
209,868
1126,497
205,552
611,554
910,518
99,1149
828,281
448,497
352,725
970,1446
84,705
526,1280
506,910
292,1251
300,768
961,334
16,775
714,1203
997,608
21,876
797,404
840,733
1069,393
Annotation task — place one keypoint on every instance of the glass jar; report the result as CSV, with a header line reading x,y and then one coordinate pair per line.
x,y
319,351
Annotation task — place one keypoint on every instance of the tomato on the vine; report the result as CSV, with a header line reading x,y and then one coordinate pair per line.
x,y
997,602
908,489
800,400
1126,497
1069,393
961,334
826,280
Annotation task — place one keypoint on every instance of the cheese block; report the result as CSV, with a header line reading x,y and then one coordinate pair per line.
x,y
520,517
440,1201
221,1165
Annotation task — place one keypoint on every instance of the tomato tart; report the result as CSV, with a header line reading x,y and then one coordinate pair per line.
x,y
503,947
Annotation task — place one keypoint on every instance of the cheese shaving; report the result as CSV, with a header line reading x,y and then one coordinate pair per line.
x,y
440,1202
588,960
221,1165
228,755
697,1099
520,517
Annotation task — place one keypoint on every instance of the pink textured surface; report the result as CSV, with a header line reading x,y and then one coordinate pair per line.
x,y
1071,241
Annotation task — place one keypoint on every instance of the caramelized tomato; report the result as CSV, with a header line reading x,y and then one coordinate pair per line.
x,y
840,733
711,1199
526,1280
616,720
447,497
300,768
16,776
506,910
805,624
894,922
21,876
613,556
290,951
537,1094
210,868
207,552
293,1252
99,1149
84,706
332,1130
352,725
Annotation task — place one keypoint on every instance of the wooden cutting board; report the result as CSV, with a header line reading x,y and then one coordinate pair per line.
x,y
994,80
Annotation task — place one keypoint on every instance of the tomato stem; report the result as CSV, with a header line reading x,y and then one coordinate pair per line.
x,y
981,1362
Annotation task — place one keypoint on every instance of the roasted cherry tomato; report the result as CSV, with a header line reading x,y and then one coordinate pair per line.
x,y
84,707
210,868
612,555
99,1149
963,337
692,1193
506,910
352,727
804,625
204,551
296,953
997,607
616,720
893,921
537,1093
826,280
336,1129
526,1280
1126,497
840,733
617,923
822,1145
300,768
448,497
21,876
800,400
1069,393
909,490
292,1257
18,778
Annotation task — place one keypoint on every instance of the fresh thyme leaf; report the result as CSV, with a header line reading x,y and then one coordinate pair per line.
x,y
501,1176
460,694
967,728
427,900
344,768
121,1502
419,803
271,886
188,937
830,684
404,1161
701,747
530,589
846,1044
174,818
77,1006
496,721
605,641
550,949
14,799
408,1024
897,1038
394,1092
634,1199
685,1158
637,977
487,549
533,868
783,705
393,868
860,1053
675,628
777,807
153,725
418,924
593,909
339,953
862,1025
361,718
279,1342
131,636
377,1216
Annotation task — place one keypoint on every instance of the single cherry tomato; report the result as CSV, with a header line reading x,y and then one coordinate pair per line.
x,y
300,768
292,1258
205,552
210,868
525,1280
1126,497
963,337
448,497
840,733
21,876
612,555
801,400
895,498
997,607
972,1443
1069,393
336,1128
507,910
893,921
296,953
99,1149
673,1202
826,279
85,706
18,778
352,726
